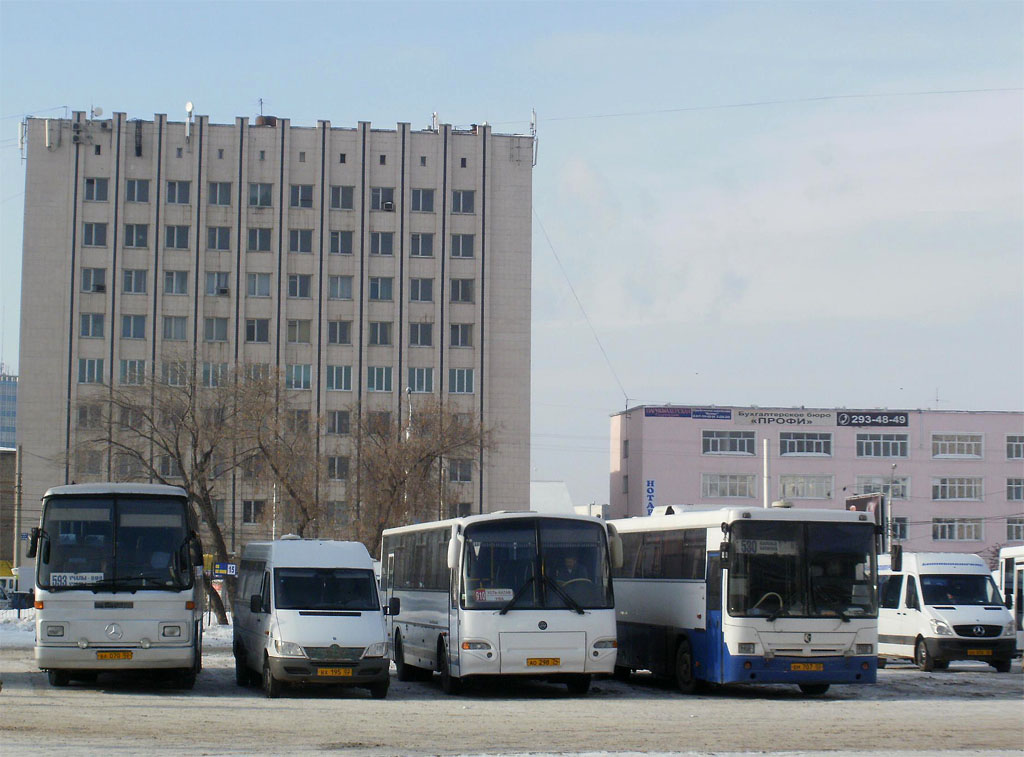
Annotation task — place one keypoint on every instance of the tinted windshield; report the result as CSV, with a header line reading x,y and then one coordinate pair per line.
x,y
959,590
783,569
114,543
527,563
325,589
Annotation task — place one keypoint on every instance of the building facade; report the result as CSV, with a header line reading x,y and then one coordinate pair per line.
x,y
954,479
369,265
8,407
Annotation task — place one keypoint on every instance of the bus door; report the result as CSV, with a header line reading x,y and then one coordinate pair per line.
x,y
388,589
711,665
1018,601
454,630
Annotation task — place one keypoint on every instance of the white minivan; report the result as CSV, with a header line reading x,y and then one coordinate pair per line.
x,y
935,607
308,611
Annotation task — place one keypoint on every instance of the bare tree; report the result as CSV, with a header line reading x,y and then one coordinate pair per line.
x,y
174,427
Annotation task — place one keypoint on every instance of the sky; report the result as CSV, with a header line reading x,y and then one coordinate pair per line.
x,y
759,203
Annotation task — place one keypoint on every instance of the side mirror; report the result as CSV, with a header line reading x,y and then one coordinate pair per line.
x,y
724,549
33,543
615,550
256,603
1009,599
394,606
196,549
896,558
453,553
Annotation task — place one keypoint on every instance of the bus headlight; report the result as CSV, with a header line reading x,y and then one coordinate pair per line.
x,y
476,645
55,631
746,647
171,631
941,628
377,649
865,648
1010,630
288,649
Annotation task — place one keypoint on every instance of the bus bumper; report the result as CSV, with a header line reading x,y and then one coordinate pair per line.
x,y
749,669
982,650
300,670
75,658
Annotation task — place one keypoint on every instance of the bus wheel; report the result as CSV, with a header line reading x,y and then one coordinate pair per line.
x,y
578,685
924,660
941,664
1001,666
405,671
186,679
58,677
242,677
685,679
379,690
449,683
621,673
814,689
271,686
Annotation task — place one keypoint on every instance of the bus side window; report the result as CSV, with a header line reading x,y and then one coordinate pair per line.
x,y
912,601
265,592
889,591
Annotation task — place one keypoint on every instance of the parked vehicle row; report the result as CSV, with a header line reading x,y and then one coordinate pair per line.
x,y
697,595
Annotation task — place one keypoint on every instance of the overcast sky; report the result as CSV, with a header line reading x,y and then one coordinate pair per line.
x,y
815,204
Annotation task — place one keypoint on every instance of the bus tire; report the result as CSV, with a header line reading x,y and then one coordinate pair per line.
x,y
242,677
58,677
449,683
921,657
380,690
685,679
1001,666
941,664
814,689
881,663
621,673
186,679
578,685
271,686
404,670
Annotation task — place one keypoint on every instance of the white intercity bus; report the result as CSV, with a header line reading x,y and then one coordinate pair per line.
x,y
1010,577
118,582
502,594
748,595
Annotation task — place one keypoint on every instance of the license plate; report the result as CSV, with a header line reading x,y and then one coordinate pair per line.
x,y
807,666
979,652
334,672
543,662
113,655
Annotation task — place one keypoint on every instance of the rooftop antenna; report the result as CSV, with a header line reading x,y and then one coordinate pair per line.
x,y
188,120
261,105
433,121
533,133
95,112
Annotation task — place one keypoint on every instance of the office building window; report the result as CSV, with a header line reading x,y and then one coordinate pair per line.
x,y
421,379
89,462
95,235
1015,528
261,195
339,332
462,245
96,190
462,290
220,193
91,325
421,334
300,240
90,415
90,370
257,284
218,237
341,197
257,330
460,380
727,442
175,328
805,486
382,198
298,376
423,200
134,280
378,378
133,327
176,237
882,445
899,528
803,443
302,196
421,290
300,285
298,331
338,422
259,240
380,333
215,374
133,372
137,190
339,379
382,243
957,445
1015,489
94,279
215,329
1015,446
462,201
341,242
339,287
957,529
178,192
460,471
422,246
957,488
217,283
462,335
337,468
173,374
380,288
894,487
731,485
136,235
252,510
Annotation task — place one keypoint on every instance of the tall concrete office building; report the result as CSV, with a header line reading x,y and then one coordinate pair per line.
x,y
362,262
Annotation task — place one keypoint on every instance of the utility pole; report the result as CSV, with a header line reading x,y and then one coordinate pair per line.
x,y
17,507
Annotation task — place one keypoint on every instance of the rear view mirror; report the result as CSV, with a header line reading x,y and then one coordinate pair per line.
x,y
453,553
896,558
1009,599
394,607
33,543
256,603
615,549
724,549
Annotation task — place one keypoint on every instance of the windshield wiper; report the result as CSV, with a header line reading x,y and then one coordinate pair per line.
x,y
775,615
152,581
562,593
516,596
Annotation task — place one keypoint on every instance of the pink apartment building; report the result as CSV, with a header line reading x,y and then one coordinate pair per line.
x,y
955,478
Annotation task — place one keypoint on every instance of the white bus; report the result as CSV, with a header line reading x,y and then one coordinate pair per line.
x,y
1011,582
118,582
748,595
502,594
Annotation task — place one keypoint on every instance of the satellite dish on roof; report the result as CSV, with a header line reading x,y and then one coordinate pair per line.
x,y
97,111
189,107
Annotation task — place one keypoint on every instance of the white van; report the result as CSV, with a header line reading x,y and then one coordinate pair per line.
x,y
935,607
308,611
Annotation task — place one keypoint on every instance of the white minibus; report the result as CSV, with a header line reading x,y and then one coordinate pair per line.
x,y
502,594
937,607
118,582
308,611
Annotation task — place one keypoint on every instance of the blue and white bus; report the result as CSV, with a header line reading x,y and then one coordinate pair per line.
x,y
118,582
748,595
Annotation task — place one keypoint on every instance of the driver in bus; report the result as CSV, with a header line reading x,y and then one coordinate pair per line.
x,y
569,570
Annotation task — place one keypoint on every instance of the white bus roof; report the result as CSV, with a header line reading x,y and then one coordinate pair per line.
x,y
937,562
702,517
309,553
74,490
489,517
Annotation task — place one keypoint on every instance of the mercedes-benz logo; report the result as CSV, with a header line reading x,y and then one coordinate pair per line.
x,y
979,630
114,631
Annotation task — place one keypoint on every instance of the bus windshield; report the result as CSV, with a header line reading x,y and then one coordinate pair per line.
x,y
115,543
807,570
959,590
325,589
535,563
